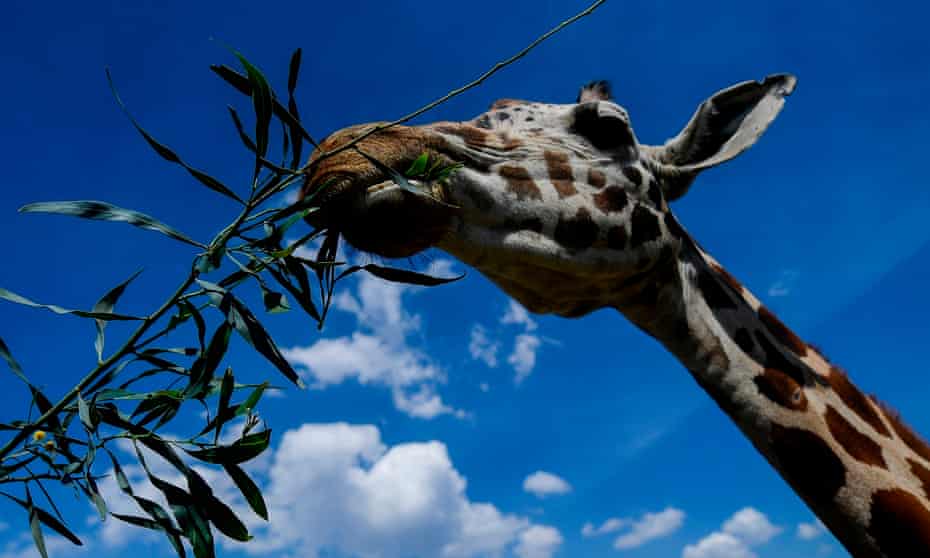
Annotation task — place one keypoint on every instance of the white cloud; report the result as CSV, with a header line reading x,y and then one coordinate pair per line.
x,y
516,314
810,531
539,541
649,527
379,352
784,284
751,526
746,528
339,487
523,357
481,347
718,545
544,484
483,386
608,526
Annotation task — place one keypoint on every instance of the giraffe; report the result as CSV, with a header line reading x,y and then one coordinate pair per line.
x,y
563,209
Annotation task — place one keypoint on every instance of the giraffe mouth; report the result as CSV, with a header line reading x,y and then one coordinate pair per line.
x,y
390,219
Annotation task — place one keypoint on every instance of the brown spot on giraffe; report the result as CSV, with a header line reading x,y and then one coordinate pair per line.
x,y
473,136
560,173
596,178
900,524
807,462
917,444
781,389
520,182
781,332
508,142
611,199
858,445
922,474
578,232
856,401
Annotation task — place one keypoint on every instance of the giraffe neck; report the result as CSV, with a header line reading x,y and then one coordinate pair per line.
x,y
856,465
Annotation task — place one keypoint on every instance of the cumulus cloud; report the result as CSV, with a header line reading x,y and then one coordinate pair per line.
x,y
523,357
544,484
482,347
810,531
743,530
610,525
538,541
718,545
649,527
339,488
516,314
751,526
380,351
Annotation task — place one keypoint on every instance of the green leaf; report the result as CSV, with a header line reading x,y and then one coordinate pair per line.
x,y
243,85
11,362
252,331
170,155
244,449
241,130
88,415
13,297
225,520
251,401
275,302
262,105
187,511
106,305
202,370
36,529
37,515
188,309
103,211
293,71
401,275
418,166
248,489
222,405
302,295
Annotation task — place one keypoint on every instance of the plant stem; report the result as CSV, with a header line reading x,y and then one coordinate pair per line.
x,y
127,347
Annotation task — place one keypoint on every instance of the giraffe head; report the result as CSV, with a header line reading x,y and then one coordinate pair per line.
x,y
558,204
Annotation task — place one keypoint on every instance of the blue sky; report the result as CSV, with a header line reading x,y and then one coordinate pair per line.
x,y
824,219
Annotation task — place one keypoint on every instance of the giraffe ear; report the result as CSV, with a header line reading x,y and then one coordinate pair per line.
x,y
724,126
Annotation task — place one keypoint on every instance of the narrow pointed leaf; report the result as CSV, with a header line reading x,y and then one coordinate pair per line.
x,y
248,488
418,166
254,333
169,155
244,449
407,276
242,84
37,515
251,401
222,405
11,362
293,72
13,297
103,211
106,305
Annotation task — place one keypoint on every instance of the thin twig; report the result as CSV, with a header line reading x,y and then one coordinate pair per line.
x,y
456,92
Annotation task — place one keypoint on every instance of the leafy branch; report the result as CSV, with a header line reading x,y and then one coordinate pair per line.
x,y
131,393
